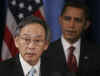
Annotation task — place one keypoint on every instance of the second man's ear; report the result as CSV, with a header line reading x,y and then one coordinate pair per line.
x,y
87,24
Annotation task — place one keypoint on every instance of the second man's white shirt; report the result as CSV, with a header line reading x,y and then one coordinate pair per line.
x,y
66,46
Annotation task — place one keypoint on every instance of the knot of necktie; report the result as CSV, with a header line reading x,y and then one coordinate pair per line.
x,y
71,49
32,72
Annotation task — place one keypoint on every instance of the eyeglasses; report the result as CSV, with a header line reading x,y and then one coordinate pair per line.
x,y
35,41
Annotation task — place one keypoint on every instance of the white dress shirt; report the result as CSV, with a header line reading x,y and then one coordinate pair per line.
x,y
27,67
66,46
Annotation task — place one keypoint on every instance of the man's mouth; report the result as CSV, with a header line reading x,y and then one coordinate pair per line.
x,y
30,54
69,31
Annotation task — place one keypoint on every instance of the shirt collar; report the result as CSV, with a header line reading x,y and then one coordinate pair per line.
x,y
66,44
27,67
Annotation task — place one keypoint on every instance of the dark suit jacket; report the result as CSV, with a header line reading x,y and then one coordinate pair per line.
x,y
89,61
12,67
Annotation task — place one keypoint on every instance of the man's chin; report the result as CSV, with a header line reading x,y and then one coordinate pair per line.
x,y
71,39
30,61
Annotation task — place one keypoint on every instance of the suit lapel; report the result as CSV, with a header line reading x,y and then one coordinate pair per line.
x,y
61,56
19,67
84,59
43,66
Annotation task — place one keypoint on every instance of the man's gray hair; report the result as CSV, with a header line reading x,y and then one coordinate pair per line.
x,y
30,20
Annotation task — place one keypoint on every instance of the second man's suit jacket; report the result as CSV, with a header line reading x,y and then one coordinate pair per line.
x,y
89,61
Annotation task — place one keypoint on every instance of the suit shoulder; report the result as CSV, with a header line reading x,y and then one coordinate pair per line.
x,y
8,62
55,43
54,47
93,45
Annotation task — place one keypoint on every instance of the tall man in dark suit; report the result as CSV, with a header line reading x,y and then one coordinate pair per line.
x,y
31,39
84,60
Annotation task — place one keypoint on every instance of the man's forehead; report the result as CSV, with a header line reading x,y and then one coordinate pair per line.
x,y
72,7
32,35
73,11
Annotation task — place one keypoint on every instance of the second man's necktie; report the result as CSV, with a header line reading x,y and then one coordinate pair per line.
x,y
72,63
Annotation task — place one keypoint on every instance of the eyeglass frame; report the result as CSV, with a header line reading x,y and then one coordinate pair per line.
x,y
29,40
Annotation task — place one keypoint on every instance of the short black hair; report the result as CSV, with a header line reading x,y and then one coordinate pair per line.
x,y
30,20
76,4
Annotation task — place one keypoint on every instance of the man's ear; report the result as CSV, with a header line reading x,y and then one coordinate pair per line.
x,y
87,24
60,19
16,40
46,45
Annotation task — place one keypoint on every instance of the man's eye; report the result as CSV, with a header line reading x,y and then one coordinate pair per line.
x,y
27,40
67,17
37,40
78,20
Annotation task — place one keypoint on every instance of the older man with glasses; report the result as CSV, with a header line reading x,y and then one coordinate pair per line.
x,y
31,39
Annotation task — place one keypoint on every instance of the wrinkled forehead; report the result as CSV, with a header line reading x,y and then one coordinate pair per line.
x,y
33,29
33,36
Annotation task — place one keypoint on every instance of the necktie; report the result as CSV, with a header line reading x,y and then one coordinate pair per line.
x,y
31,72
72,63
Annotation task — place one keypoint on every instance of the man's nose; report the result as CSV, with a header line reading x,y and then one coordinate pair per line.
x,y
31,44
72,23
